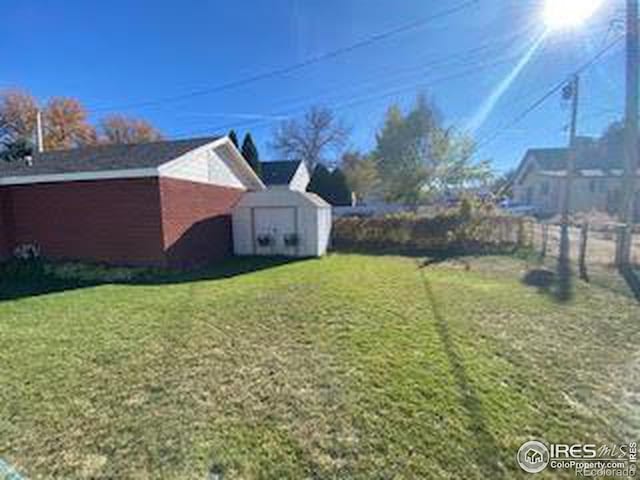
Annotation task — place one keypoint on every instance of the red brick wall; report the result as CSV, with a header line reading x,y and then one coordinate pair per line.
x,y
196,221
6,226
111,221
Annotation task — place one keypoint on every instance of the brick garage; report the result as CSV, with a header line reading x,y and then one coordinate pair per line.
x,y
158,222
196,222
178,217
5,238
114,221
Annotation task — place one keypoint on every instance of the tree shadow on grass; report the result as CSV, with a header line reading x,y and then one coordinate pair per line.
x,y
632,279
36,282
558,284
487,453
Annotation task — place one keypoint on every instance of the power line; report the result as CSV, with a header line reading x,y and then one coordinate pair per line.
x,y
466,73
548,94
303,102
359,101
297,66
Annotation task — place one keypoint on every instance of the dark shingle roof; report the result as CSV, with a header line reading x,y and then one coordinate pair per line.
x,y
103,158
549,158
554,159
280,172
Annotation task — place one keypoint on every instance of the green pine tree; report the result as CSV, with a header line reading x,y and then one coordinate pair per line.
x,y
340,192
234,138
320,183
250,154
15,151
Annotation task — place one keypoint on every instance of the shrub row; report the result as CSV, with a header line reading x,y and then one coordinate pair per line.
x,y
36,268
443,233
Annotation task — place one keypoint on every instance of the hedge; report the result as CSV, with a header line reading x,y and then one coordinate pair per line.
x,y
442,233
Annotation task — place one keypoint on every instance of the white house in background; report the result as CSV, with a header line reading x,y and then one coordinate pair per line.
x,y
289,174
541,176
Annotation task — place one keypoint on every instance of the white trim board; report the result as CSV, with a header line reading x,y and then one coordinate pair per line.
x,y
81,176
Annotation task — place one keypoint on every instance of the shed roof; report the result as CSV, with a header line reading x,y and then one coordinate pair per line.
x,y
103,158
279,172
281,198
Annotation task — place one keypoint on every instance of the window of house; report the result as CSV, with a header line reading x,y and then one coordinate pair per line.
x,y
593,186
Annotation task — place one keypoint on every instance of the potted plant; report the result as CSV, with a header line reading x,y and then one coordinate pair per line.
x,y
264,240
291,240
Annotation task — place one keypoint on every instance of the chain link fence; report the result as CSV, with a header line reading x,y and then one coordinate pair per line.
x,y
595,245
590,252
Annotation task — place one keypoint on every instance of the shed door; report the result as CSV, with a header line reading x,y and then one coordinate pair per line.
x,y
274,223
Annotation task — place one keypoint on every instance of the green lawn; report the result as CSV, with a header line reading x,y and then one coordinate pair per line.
x,y
346,367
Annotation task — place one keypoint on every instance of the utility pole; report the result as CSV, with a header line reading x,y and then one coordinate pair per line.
x,y
571,90
39,136
630,134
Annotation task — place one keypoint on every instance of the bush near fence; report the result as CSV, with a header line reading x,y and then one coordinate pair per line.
x,y
459,231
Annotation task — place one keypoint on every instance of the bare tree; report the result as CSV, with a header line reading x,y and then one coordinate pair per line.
x,y
121,129
66,125
311,138
18,112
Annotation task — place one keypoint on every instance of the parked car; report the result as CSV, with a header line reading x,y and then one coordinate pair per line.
x,y
519,209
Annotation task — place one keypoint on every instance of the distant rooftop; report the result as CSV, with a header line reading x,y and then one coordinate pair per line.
x,y
279,172
586,158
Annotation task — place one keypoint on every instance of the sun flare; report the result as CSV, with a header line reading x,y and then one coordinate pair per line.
x,y
569,13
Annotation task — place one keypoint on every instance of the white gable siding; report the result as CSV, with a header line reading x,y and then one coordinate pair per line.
x,y
204,166
221,173
300,179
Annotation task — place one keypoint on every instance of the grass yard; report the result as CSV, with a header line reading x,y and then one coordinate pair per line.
x,y
348,367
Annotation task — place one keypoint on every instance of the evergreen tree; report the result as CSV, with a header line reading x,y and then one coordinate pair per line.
x,y
15,151
331,186
320,183
251,155
340,192
234,138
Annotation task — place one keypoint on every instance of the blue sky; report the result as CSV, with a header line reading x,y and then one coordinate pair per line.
x,y
114,54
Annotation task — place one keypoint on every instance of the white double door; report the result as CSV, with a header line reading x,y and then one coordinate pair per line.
x,y
274,223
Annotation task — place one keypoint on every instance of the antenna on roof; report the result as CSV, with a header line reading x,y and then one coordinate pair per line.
x,y
39,136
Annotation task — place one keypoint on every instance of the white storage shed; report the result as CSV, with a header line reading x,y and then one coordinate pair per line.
x,y
281,222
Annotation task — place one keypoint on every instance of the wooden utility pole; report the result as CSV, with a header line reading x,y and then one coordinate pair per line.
x,y
572,90
630,134
39,132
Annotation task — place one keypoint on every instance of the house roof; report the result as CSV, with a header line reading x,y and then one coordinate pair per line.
x,y
279,172
548,158
103,158
553,161
588,173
